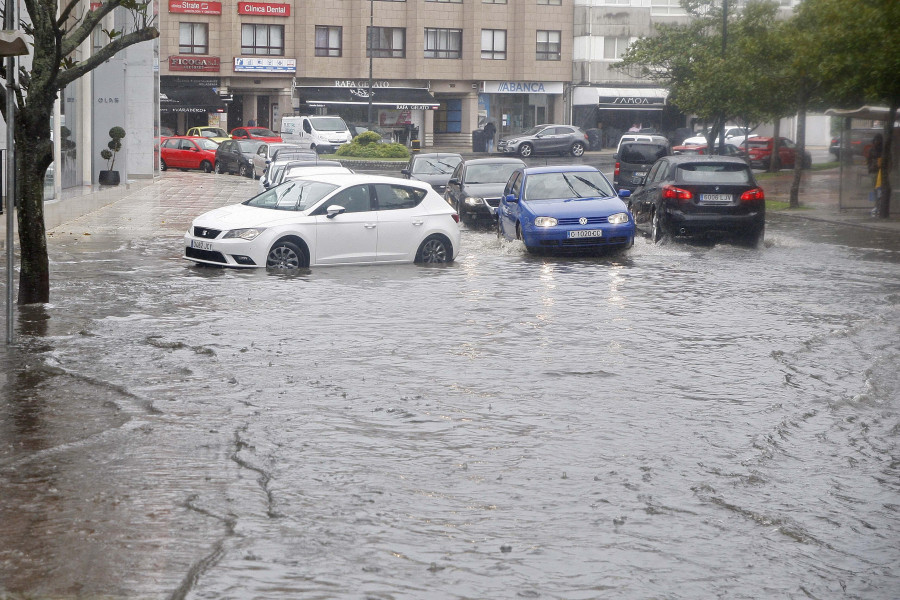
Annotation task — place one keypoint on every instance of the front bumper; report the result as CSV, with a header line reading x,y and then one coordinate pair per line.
x,y
507,148
557,238
236,253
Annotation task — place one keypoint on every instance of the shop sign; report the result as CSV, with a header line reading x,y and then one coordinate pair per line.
x,y
266,65
523,87
189,81
360,84
194,7
631,101
194,63
264,9
415,106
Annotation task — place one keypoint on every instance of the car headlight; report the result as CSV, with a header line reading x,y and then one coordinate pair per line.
x,y
545,222
474,201
618,218
245,234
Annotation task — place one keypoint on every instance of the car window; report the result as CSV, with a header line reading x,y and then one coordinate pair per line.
x,y
206,144
395,197
457,172
261,151
787,143
570,184
354,199
714,173
294,195
516,185
225,146
642,153
170,144
435,166
653,176
490,173
186,145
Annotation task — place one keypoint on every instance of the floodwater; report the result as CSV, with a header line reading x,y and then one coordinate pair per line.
x,y
678,421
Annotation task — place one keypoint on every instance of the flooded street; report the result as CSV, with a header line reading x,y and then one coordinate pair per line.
x,y
677,421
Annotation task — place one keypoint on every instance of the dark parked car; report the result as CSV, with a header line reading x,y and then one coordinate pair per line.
x,y
546,139
236,156
633,160
708,196
433,168
474,188
759,153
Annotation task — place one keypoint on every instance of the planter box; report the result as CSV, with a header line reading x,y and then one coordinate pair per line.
x,y
109,178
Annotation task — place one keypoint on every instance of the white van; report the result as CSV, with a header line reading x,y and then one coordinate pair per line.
x,y
321,133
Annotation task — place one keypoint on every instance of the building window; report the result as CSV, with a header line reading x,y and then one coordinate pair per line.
x,y
666,7
388,42
548,45
448,117
553,2
443,43
614,47
193,38
493,44
266,40
328,40
493,1
452,1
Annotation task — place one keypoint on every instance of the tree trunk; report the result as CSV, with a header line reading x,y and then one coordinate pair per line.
x,y
34,153
799,155
775,160
887,162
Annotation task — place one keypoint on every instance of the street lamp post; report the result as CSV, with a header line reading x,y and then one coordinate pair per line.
x,y
371,55
724,46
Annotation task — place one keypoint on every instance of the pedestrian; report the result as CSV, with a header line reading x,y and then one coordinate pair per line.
x,y
873,164
251,123
489,131
634,128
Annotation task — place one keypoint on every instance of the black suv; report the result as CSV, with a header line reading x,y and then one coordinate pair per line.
x,y
633,160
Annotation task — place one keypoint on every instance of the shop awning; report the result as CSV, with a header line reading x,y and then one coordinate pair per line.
x,y
871,113
399,98
621,98
190,100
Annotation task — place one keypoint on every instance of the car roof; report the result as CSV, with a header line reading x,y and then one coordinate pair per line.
x,y
311,163
703,158
561,169
437,155
494,161
357,178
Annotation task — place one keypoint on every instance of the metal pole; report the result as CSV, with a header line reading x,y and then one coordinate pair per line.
x,y
9,23
724,46
371,54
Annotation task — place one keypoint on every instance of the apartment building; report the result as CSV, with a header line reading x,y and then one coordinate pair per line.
x,y
439,68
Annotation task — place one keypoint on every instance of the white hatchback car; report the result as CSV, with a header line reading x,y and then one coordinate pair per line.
x,y
328,220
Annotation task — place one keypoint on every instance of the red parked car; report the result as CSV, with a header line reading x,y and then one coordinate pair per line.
x,y
730,150
759,152
255,133
187,153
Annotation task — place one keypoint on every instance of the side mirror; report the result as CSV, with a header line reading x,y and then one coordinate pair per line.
x,y
405,172
454,181
511,198
625,193
334,210
616,156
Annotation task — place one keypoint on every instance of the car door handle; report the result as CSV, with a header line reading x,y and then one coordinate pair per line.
x,y
369,225
418,222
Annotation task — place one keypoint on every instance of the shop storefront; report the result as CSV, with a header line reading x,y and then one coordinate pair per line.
x,y
398,107
515,106
614,111
190,101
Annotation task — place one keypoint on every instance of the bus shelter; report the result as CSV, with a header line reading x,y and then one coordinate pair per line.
x,y
857,183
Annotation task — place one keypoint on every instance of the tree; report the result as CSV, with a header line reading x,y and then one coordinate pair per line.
x,y
57,32
857,59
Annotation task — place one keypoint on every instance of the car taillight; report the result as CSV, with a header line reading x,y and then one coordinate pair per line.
x,y
617,170
671,192
754,194
456,217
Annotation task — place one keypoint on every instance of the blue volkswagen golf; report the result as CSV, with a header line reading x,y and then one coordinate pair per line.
x,y
564,208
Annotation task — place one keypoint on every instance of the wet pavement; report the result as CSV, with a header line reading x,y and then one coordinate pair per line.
x,y
677,421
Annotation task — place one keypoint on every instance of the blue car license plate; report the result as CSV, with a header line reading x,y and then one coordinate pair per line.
x,y
586,233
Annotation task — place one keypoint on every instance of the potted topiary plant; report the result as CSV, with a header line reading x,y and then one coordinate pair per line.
x,y
109,176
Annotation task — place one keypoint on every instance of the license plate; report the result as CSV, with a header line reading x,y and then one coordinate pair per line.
x,y
199,245
640,174
583,233
715,197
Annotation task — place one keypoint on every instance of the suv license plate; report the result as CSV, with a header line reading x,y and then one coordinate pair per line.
x,y
715,198
583,233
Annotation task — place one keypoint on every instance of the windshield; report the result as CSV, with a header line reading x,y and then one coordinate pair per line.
x,y
571,184
714,173
532,131
261,132
436,166
248,146
328,123
492,173
641,153
293,195
213,132
206,144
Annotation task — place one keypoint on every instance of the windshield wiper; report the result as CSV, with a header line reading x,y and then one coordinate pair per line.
x,y
588,183
569,183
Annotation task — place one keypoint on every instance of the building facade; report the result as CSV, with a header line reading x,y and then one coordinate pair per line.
x,y
439,69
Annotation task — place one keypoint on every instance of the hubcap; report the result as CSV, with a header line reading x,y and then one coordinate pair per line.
x,y
434,252
283,257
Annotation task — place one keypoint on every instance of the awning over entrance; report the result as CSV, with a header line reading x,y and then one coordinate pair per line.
x,y
621,98
872,113
399,98
190,100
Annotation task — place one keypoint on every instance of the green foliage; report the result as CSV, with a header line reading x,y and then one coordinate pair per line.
x,y
113,146
364,146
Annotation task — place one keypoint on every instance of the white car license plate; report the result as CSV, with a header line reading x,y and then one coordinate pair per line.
x,y
583,233
715,197
199,245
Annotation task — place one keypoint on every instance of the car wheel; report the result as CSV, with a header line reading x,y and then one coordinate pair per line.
x,y
162,165
434,249
657,228
206,167
246,171
577,149
526,150
219,169
286,255
754,238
